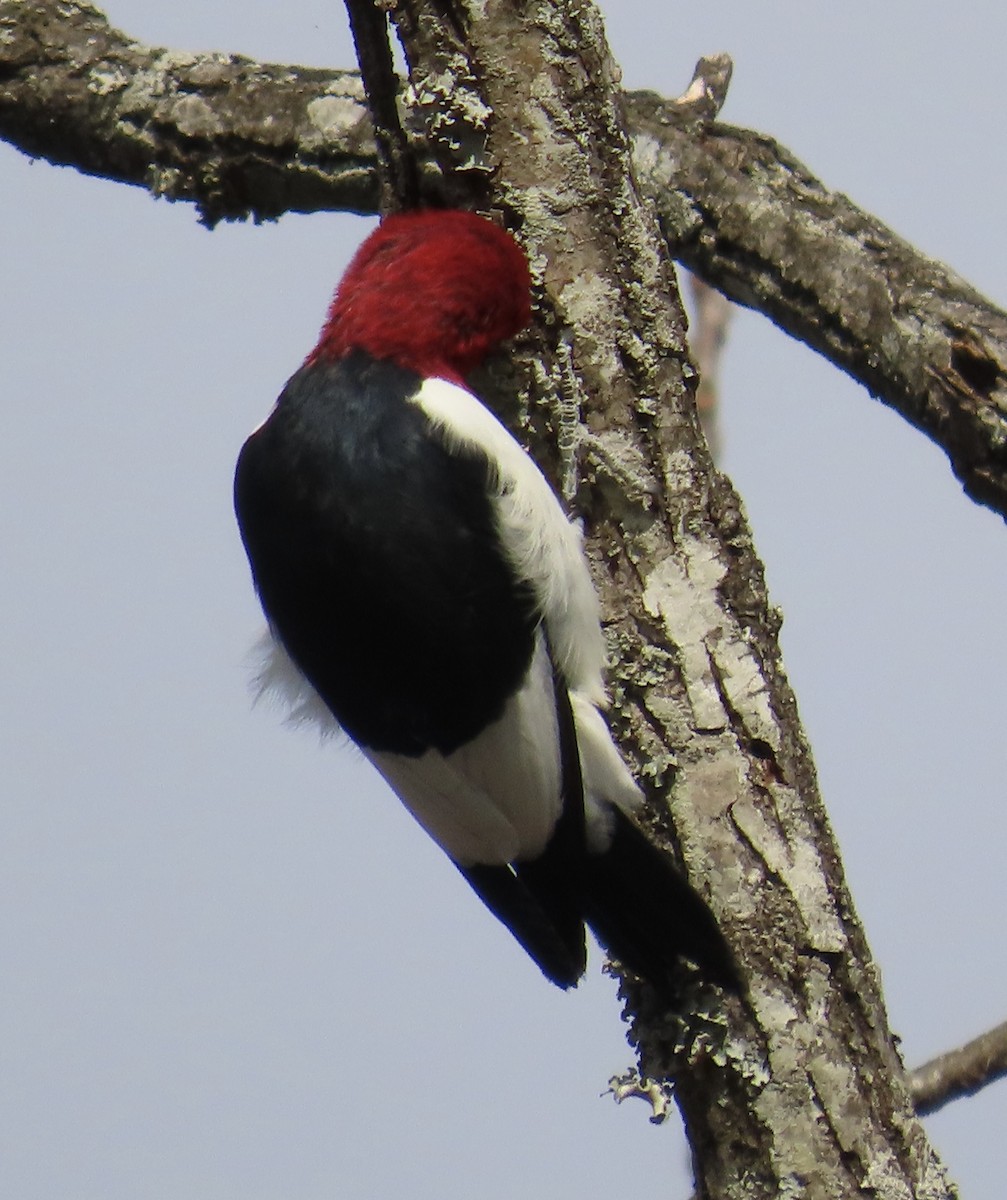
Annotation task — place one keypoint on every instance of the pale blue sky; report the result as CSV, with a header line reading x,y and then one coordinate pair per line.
x,y
233,968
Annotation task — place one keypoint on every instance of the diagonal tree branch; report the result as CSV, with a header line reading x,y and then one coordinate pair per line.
x,y
798,1083
908,328
235,137
239,139
961,1072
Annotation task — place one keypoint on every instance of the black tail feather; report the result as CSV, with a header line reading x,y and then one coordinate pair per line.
x,y
557,945
646,915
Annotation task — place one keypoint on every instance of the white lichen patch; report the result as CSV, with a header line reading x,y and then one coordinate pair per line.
x,y
837,1088
647,154
348,85
330,116
818,991
718,662
882,1178
587,304
679,473
745,687
776,1013
558,156
797,865
177,60
565,386
684,600
440,93
195,118
211,70
105,82
614,453
710,785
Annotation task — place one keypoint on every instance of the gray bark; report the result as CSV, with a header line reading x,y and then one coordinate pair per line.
x,y
753,222
960,1072
236,137
798,1088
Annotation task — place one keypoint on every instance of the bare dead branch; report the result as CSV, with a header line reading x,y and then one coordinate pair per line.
x,y
236,137
961,1072
239,138
908,328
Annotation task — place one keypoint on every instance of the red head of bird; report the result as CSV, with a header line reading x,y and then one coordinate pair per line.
x,y
464,279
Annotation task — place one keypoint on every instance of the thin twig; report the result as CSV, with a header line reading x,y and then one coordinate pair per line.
x,y
712,316
400,179
961,1072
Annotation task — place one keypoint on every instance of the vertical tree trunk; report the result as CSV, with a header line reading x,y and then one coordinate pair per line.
x,y
798,1088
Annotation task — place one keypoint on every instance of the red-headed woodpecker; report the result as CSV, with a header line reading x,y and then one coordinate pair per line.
x,y
426,592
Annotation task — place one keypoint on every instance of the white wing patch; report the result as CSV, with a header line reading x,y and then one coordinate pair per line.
x,y
542,545
495,799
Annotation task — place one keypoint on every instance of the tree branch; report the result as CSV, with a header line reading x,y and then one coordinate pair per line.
x,y
235,137
398,173
239,139
745,216
961,1072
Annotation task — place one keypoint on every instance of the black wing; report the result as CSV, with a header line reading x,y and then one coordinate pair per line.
x,y
376,557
